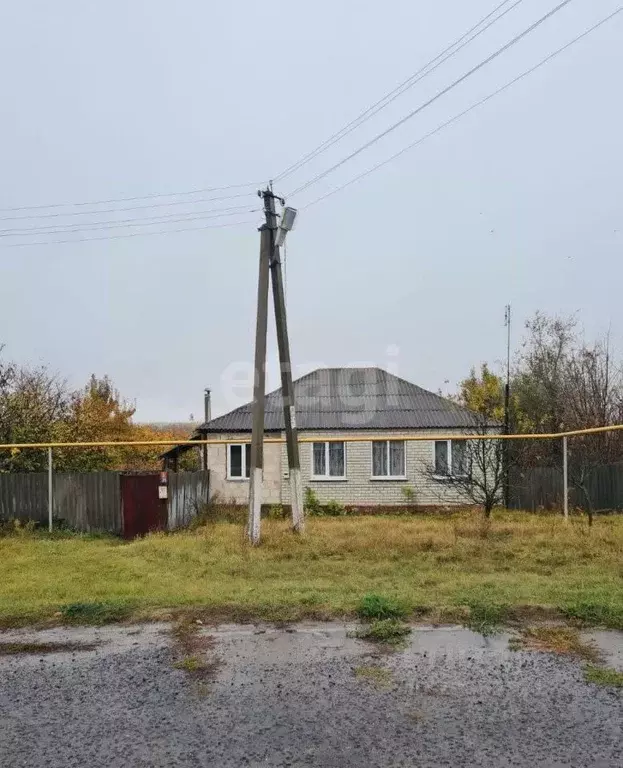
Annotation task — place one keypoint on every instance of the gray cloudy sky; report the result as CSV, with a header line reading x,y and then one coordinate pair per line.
x,y
520,201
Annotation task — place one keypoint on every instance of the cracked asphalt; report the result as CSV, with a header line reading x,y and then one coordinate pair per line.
x,y
307,695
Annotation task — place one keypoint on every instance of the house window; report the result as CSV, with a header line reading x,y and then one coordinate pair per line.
x,y
238,461
388,458
450,458
328,460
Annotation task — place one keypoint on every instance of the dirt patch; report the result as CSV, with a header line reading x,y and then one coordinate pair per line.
x,y
193,650
562,640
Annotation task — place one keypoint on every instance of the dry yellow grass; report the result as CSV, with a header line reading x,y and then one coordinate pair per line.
x,y
430,563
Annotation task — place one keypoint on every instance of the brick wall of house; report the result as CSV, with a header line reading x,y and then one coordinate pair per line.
x,y
237,491
358,488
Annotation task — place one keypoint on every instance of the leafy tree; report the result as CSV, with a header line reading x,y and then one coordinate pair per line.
x,y
483,394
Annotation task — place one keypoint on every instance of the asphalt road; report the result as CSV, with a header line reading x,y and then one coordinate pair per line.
x,y
304,696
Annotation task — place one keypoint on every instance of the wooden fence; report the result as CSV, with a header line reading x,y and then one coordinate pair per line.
x,y
542,488
188,491
92,501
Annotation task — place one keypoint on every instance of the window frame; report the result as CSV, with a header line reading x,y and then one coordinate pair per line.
x,y
389,477
450,474
327,477
246,469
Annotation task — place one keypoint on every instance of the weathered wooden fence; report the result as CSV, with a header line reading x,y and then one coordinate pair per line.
x,y
542,487
188,491
92,501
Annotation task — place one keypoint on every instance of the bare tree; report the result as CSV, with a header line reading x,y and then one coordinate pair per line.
x,y
470,470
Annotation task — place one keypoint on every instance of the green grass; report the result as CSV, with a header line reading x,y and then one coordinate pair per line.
x,y
387,631
379,607
438,568
603,676
190,664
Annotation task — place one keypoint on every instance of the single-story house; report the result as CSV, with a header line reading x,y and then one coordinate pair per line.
x,y
346,403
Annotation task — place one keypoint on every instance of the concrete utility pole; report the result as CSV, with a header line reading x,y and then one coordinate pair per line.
x,y
259,387
287,387
272,237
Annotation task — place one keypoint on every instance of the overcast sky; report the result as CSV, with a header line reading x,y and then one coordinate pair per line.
x,y
520,201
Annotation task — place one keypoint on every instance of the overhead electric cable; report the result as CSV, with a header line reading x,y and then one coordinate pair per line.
x,y
430,101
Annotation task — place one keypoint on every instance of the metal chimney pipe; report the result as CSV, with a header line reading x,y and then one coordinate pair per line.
x,y
207,405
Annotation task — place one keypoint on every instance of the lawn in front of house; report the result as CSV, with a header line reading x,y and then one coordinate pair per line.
x,y
435,566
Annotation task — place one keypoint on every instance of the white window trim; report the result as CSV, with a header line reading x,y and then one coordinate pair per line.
x,y
230,477
450,476
327,478
389,478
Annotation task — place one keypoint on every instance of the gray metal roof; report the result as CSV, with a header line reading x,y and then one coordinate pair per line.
x,y
352,398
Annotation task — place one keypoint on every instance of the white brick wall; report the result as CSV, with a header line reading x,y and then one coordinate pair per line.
x,y
359,488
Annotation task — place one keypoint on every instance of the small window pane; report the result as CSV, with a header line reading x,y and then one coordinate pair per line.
x,y
336,459
235,461
441,457
319,459
379,459
397,458
247,456
458,458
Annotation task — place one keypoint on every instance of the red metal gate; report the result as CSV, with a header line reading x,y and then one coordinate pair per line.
x,y
142,511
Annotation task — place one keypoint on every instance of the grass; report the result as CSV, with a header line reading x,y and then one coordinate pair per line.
x,y
562,640
377,676
387,631
603,676
190,664
379,607
441,568
16,649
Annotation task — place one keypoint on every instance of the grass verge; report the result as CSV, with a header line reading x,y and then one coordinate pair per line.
x,y
19,649
603,676
430,567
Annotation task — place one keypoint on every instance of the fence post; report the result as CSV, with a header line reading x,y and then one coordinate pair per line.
x,y
565,480
50,491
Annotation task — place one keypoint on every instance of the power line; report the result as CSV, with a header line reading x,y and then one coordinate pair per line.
x,y
127,208
426,104
133,222
442,57
130,234
466,111
138,197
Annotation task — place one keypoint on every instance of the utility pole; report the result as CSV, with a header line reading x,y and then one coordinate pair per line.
x,y
287,387
259,387
507,393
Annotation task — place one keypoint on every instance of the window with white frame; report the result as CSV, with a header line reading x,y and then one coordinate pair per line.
x,y
388,458
238,461
450,458
328,460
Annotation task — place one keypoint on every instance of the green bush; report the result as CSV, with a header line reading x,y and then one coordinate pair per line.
x,y
311,503
334,509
